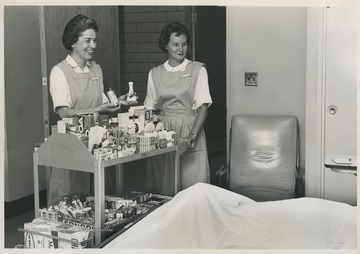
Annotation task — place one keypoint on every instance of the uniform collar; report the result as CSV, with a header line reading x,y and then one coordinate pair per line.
x,y
73,64
176,68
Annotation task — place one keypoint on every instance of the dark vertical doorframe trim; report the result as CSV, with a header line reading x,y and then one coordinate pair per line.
x,y
45,87
118,73
193,31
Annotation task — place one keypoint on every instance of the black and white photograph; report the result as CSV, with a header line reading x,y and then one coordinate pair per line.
x,y
180,127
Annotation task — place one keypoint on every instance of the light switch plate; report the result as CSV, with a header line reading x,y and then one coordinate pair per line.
x,y
251,79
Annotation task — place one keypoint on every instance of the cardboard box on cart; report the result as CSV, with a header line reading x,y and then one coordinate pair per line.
x,y
47,234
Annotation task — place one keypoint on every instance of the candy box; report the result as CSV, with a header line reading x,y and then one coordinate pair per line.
x,y
38,234
47,234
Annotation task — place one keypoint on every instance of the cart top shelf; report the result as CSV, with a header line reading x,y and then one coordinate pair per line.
x,y
67,151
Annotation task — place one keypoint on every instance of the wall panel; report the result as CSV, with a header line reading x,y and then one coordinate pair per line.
x,y
23,105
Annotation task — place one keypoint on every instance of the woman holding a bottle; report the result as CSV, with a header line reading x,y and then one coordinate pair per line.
x,y
76,87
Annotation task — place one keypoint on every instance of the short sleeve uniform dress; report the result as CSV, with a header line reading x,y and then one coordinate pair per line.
x,y
78,90
177,93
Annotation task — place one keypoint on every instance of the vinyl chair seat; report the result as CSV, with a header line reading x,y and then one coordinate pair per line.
x,y
264,156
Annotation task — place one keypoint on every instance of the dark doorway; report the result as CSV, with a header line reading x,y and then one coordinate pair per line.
x,y
210,48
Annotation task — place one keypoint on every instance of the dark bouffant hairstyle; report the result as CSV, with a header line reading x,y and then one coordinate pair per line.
x,y
75,27
176,28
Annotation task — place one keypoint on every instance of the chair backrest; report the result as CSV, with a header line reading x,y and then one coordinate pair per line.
x,y
264,156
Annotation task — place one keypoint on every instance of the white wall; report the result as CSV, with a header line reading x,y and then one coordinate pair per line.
x,y
272,42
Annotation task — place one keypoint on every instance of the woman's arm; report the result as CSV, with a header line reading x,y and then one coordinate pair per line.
x,y
202,100
198,124
66,112
149,102
106,108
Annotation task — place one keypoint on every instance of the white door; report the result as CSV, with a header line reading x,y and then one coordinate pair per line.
x,y
340,99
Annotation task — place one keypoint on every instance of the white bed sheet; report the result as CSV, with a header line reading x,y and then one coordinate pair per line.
x,y
207,217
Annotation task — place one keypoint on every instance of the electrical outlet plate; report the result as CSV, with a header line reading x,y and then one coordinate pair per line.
x,y
251,79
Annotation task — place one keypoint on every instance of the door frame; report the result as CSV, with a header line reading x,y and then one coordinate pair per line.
x,y
44,72
315,102
216,142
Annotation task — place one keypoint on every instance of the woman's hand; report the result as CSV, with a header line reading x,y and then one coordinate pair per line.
x,y
123,100
198,124
107,108
190,141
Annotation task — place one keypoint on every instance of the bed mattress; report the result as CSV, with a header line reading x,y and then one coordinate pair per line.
x,y
208,217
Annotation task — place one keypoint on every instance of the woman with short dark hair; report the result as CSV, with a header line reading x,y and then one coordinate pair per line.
x,y
176,28
75,28
76,87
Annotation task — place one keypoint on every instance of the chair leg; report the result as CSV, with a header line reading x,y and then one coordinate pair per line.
x,y
300,183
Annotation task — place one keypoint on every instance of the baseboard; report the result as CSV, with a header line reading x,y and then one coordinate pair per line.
x,y
23,205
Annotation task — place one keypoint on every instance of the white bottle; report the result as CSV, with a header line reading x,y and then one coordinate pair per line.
x,y
141,121
131,94
112,97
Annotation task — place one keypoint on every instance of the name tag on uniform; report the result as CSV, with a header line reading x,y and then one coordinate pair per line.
x,y
186,75
94,78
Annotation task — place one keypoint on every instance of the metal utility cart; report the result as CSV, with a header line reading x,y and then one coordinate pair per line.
x,y
68,152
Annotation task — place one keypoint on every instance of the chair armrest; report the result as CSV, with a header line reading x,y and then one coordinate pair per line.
x,y
223,170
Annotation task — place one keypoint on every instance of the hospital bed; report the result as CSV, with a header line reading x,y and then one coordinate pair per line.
x,y
205,216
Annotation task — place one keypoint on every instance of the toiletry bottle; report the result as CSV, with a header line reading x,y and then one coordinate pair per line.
x,y
141,120
112,97
131,94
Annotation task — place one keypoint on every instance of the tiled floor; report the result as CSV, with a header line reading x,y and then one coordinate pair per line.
x,y
14,226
